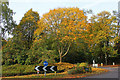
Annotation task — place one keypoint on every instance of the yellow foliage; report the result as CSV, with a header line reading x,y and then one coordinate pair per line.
x,y
64,20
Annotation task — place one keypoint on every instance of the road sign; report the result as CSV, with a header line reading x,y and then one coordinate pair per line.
x,y
45,63
36,68
87,69
46,68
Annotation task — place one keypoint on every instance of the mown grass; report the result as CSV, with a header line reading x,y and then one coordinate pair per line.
x,y
62,75
17,69
27,71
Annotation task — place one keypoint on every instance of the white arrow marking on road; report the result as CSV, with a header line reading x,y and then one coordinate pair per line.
x,y
37,68
52,68
44,68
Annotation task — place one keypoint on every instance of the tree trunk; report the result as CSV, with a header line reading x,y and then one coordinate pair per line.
x,y
107,51
60,58
60,54
60,50
106,59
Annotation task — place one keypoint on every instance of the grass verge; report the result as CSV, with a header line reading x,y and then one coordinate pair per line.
x,y
62,75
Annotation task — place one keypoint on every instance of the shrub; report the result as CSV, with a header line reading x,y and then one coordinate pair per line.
x,y
80,68
90,69
83,64
76,70
72,71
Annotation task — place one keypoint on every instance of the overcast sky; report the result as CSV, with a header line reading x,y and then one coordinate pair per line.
x,y
43,6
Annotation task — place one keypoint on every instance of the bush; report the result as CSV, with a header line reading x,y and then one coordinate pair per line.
x,y
9,62
64,66
83,64
80,68
76,70
72,71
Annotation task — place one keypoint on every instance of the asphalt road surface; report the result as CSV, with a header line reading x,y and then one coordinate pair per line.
x,y
112,73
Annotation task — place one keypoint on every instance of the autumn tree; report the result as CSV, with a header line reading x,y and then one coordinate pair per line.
x,y
102,34
63,26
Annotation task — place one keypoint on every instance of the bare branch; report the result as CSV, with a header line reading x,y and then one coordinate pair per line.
x,y
67,50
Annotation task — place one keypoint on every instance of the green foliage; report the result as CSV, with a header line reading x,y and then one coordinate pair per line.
x,y
21,58
72,71
13,53
18,46
4,42
80,68
61,33
39,52
83,64
7,19
8,51
24,32
101,32
17,69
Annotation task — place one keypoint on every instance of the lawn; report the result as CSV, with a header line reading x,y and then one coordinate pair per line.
x,y
27,71
18,70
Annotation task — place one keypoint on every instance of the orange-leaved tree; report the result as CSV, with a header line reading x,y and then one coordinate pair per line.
x,y
64,26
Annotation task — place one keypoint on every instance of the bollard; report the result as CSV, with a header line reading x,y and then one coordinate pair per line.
x,y
96,65
113,63
55,73
101,64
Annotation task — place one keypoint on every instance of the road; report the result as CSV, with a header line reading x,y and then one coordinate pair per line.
x,y
112,73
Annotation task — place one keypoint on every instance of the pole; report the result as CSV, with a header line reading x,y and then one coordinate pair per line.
x,y
55,73
37,72
45,73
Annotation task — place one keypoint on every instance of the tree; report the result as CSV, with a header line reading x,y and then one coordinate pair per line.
x,y
9,51
63,26
24,32
39,52
102,33
13,53
7,19
17,47
117,45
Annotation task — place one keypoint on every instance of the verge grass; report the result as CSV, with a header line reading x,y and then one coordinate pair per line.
x,y
27,71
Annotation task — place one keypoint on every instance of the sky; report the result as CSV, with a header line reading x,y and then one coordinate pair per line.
x,y
44,6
